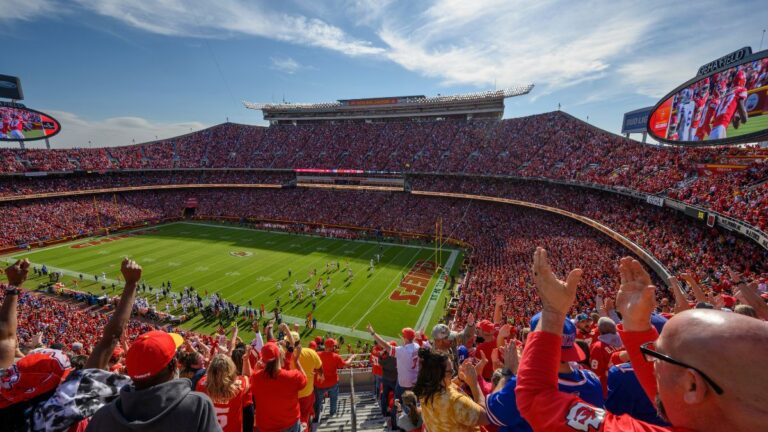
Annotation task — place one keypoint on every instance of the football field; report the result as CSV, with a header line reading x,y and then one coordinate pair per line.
x,y
242,265
754,124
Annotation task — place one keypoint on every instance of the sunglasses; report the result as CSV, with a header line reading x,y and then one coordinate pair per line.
x,y
649,352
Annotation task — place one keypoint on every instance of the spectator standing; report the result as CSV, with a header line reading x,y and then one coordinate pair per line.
x,y
332,362
229,391
276,391
407,358
156,401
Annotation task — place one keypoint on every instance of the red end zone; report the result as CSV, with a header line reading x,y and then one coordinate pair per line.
x,y
111,239
414,283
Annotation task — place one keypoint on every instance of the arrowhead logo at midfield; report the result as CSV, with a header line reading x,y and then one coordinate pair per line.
x,y
241,254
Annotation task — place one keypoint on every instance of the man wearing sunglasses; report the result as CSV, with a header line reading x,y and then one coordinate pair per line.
x,y
705,371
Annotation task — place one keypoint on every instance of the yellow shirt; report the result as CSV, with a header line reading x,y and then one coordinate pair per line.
x,y
309,362
451,411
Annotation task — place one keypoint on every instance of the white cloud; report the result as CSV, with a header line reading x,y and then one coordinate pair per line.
x,y
285,64
25,9
485,42
222,18
110,132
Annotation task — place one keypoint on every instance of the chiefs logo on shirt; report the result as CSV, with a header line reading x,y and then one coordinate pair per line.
x,y
585,417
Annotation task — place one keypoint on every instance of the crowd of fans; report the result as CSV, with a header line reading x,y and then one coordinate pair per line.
x,y
16,185
553,370
520,350
552,145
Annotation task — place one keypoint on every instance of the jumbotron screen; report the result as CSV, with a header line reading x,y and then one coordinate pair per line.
x,y
727,106
18,123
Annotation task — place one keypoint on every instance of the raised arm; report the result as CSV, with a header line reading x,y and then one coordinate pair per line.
x,y
498,309
698,293
636,300
113,331
17,274
379,340
538,398
681,299
747,294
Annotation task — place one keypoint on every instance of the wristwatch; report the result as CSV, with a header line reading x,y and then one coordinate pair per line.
x,y
507,372
11,289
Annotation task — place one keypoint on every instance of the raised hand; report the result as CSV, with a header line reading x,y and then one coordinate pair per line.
x,y
511,356
17,273
556,295
500,299
468,372
481,364
636,297
131,271
748,294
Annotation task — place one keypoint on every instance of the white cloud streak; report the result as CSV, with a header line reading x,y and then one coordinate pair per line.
x,y
115,131
285,64
223,18
25,9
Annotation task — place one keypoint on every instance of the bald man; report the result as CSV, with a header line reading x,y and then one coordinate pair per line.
x,y
706,371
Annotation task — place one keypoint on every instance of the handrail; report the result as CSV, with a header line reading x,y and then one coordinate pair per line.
x,y
352,399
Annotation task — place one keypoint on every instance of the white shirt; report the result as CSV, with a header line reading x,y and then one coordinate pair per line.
x,y
407,357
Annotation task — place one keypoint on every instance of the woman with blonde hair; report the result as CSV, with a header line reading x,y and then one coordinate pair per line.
x,y
229,391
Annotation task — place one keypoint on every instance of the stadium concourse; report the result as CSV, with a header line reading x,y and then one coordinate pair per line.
x,y
649,268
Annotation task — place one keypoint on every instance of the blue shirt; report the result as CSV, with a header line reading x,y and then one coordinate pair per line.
x,y
502,405
626,396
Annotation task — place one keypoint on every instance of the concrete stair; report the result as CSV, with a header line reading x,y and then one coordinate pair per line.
x,y
366,408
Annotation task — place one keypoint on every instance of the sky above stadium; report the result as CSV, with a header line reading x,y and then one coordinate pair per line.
x,y
118,71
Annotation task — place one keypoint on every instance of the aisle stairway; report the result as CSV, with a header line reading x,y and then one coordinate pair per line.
x,y
367,410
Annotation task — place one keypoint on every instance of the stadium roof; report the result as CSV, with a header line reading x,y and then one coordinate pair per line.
x,y
396,100
487,104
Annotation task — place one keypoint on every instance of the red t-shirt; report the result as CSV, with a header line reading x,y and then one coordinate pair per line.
x,y
600,360
230,414
487,347
277,399
375,366
332,362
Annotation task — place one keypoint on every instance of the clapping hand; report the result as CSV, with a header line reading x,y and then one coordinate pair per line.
x,y
636,297
557,296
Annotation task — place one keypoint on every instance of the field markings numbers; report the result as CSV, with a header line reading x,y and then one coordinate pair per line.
x,y
279,268
386,292
362,288
304,235
313,263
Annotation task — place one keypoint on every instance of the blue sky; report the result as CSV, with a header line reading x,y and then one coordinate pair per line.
x,y
114,71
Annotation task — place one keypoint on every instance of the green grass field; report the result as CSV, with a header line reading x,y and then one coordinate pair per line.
x,y
244,264
754,124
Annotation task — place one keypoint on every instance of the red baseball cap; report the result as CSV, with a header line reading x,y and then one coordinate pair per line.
x,y
393,343
313,345
408,333
729,301
318,340
330,343
35,374
486,326
150,353
269,352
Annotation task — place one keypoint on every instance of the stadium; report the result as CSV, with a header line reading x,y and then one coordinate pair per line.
x,y
387,240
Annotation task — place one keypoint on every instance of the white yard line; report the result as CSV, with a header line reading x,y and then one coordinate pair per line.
x,y
306,234
426,313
